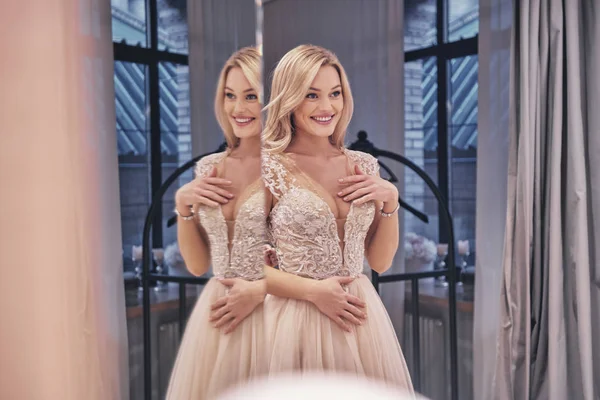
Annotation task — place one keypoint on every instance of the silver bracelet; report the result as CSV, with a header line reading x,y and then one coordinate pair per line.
x,y
387,215
185,217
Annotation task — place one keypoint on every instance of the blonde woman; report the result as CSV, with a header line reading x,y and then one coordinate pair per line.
x,y
221,222
328,209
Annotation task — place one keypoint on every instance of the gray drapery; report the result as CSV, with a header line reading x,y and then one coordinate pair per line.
x,y
549,291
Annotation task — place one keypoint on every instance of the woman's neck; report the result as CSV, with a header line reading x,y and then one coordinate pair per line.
x,y
317,146
248,147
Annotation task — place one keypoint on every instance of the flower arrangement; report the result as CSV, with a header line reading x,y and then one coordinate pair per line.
x,y
419,249
173,257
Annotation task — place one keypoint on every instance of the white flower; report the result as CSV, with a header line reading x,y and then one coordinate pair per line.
x,y
419,248
173,256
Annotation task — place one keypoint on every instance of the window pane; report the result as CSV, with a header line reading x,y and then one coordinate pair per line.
x,y
463,151
463,19
134,160
419,24
129,21
175,137
420,143
172,26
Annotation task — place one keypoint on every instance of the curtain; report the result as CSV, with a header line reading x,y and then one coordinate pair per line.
x,y
62,301
549,284
495,27
217,28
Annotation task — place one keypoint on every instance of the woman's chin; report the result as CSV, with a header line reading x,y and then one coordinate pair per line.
x,y
246,135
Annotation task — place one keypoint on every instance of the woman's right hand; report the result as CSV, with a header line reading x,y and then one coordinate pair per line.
x,y
329,296
206,190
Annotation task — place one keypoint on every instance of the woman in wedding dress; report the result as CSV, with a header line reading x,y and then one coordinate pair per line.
x,y
221,222
328,210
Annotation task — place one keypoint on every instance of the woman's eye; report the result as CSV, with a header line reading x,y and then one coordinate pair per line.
x,y
251,97
230,95
336,93
311,96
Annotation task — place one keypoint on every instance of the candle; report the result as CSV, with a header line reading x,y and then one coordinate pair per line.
x,y
442,249
159,255
463,247
136,253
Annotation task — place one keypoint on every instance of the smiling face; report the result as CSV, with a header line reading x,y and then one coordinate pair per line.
x,y
321,109
241,105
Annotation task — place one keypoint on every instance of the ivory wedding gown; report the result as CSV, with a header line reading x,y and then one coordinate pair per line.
x,y
208,361
304,232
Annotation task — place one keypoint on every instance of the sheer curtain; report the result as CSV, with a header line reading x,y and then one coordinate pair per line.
x,y
495,27
217,28
62,302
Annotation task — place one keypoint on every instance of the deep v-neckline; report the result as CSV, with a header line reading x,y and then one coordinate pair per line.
x,y
319,190
315,193
243,196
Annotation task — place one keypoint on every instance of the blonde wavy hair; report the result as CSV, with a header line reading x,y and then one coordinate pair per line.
x,y
249,61
291,82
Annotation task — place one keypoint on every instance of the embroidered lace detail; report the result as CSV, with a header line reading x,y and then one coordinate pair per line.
x,y
366,162
275,175
246,258
249,238
303,229
205,164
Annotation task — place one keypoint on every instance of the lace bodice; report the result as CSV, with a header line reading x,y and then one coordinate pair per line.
x,y
243,257
302,227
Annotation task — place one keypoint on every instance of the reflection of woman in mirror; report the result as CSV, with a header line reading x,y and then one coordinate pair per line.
x,y
329,209
221,222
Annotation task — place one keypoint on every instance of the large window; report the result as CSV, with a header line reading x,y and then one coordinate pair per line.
x,y
152,104
440,39
153,138
441,70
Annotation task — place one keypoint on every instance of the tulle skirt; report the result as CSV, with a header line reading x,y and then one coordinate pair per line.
x,y
302,339
210,362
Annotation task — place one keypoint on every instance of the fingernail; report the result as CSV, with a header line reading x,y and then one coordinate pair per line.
x,y
339,193
341,180
346,198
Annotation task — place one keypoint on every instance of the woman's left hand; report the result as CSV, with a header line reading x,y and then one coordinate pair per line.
x,y
361,188
243,297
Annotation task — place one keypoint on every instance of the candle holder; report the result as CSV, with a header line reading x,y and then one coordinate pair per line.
x,y
442,253
463,252
461,267
136,257
159,259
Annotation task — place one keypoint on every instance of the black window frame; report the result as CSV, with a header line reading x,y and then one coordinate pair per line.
x,y
444,52
151,57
